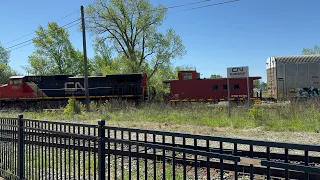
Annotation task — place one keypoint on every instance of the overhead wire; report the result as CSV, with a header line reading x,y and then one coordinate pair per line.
x,y
210,5
33,32
64,26
170,7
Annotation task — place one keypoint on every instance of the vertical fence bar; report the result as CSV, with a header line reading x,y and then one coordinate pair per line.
x,y
138,154
208,159
164,158
145,158
235,153
195,143
101,150
95,155
173,159
306,162
268,167
115,156
79,153
122,160
109,156
251,166
221,160
154,159
286,161
184,160
129,133
20,147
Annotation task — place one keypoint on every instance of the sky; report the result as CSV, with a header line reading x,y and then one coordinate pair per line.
x,y
241,33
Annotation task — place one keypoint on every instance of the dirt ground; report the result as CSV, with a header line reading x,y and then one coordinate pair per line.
x,y
258,134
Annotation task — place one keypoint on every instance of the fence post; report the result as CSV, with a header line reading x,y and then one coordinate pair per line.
x,y
20,147
101,150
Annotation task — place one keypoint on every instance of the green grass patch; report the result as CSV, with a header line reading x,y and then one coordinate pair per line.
x,y
304,117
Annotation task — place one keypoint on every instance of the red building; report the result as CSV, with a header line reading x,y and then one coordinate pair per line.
x,y
190,87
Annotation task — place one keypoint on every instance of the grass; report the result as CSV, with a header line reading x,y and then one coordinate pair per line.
x,y
298,117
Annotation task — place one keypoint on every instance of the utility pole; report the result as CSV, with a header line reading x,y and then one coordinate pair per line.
x,y
86,84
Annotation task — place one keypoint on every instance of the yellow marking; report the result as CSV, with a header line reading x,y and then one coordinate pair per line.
x,y
210,99
257,102
192,100
240,98
231,99
184,100
200,99
221,99
174,100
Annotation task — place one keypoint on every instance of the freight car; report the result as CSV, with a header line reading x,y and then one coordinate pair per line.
x,y
55,90
293,77
189,87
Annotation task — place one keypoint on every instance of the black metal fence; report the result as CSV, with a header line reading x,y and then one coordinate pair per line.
x,y
34,149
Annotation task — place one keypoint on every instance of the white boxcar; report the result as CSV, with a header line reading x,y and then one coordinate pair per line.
x,y
293,76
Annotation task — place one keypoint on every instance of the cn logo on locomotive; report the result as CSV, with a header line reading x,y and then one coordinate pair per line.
x,y
75,86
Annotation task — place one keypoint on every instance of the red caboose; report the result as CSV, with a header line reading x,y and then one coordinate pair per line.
x,y
190,87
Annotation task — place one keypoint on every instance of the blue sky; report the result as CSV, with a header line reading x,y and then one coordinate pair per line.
x,y
246,32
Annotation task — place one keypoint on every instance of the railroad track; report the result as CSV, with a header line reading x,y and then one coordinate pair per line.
x,y
144,152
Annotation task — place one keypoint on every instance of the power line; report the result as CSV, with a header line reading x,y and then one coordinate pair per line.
x,y
33,32
210,5
65,26
171,7
182,5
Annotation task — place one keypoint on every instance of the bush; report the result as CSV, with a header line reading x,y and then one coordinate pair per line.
x,y
73,107
256,113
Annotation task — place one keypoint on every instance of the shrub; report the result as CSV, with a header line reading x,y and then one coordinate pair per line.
x,y
256,112
73,107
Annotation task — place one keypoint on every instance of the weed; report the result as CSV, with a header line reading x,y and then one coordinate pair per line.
x,y
284,117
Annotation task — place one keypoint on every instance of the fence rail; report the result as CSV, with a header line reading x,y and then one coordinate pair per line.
x,y
34,149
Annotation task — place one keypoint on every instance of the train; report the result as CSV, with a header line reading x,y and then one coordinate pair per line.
x,y
53,91
293,77
287,77
189,87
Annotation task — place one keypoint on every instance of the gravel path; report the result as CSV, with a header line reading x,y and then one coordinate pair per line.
x,y
256,134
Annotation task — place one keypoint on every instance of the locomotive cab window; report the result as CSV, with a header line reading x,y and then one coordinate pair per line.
x,y
16,82
215,87
236,86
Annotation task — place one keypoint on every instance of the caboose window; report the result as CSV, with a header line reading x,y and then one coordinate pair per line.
x,y
236,86
187,76
225,87
215,87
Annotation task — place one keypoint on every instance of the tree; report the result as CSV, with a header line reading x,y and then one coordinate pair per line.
x,y
4,55
256,83
309,51
103,62
5,69
260,85
214,76
129,27
166,73
5,73
54,53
